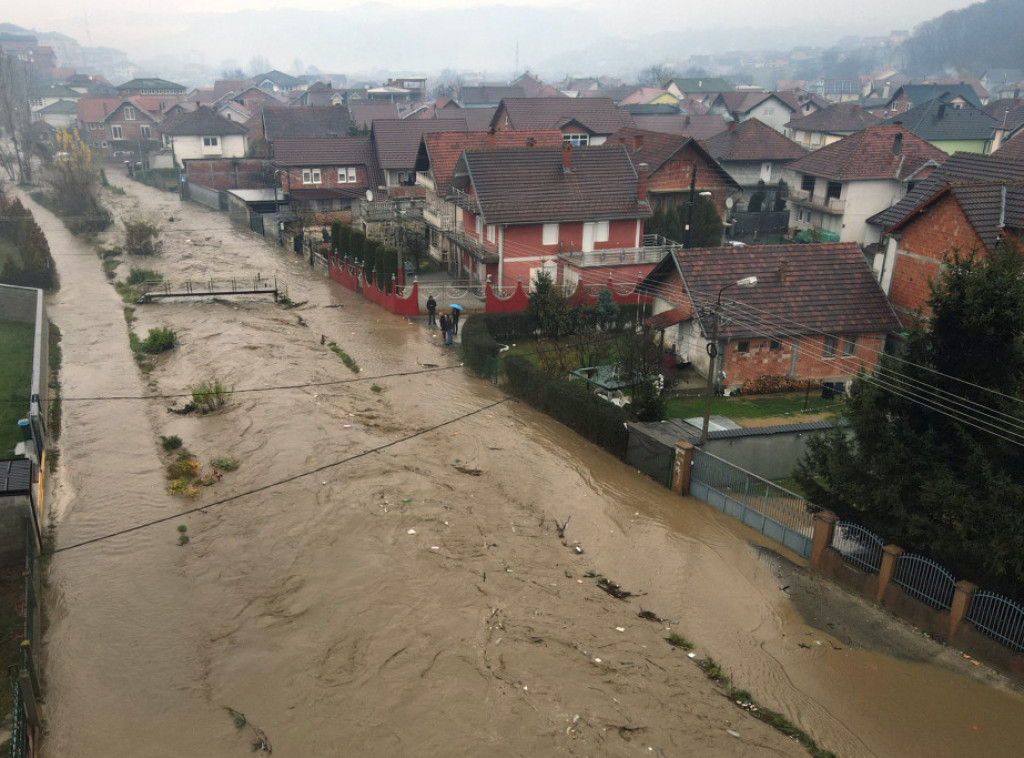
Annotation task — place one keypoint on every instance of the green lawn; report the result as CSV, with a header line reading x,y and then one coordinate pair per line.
x,y
789,406
15,380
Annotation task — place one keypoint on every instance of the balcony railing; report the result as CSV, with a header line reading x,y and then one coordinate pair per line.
x,y
479,250
826,204
391,210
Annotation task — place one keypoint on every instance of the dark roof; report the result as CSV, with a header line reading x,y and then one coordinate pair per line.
x,y
61,106
870,154
530,185
959,168
488,95
306,123
698,127
201,121
477,119
364,113
440,151
279,78
657,148
826,288
15,476
1013,148
753,141
935,120
744,101
150,84
56,90
598,114
398,141
922,93
705,84
841,117
338,151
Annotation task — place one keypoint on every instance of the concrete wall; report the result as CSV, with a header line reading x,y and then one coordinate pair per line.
x,y
772,456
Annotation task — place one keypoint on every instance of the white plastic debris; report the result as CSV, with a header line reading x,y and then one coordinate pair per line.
x,y
620,629
691,656
411,531
733,732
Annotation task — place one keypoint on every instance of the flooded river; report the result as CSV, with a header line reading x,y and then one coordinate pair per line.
x,y
393,584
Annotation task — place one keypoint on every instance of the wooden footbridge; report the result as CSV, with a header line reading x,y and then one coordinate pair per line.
x,y
152,291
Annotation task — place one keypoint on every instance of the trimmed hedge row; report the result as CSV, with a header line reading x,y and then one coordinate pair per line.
x,y
479,348
348,241
570,403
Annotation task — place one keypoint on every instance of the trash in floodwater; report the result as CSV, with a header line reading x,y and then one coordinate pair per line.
x,y
733,733
411,531
577,548
406,499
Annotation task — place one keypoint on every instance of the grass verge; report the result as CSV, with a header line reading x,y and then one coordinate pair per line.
x,y
345,357
16,343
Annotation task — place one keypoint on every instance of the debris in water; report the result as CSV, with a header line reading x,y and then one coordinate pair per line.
x,y
261,743
648,616
577,548
733,733
620,629
406,499
613,589
411,531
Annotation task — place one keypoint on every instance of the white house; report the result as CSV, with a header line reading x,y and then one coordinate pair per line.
x,y
204,134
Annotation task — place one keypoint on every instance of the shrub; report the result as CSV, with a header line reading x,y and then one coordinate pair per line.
x,y
140,237
224,463
159,340
171,443
139,275
208,396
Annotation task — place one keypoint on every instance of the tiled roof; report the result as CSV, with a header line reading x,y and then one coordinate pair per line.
x,y
841,117
922,93
440,151
871,153
958,168
991,207
530,186
488,94
92,110
935,120
331,152
15,476
365,113
657,148
202,121
1013,149
698,127
298,123
615,94
279,78
398,141
801,289
670,317
598,114
222,87
60,107
753,141
702,85
644,95
477,119
150,84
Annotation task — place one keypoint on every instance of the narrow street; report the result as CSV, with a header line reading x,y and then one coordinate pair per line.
x,y
393,584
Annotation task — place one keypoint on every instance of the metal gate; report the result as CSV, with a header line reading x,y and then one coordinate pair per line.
x,y
775,512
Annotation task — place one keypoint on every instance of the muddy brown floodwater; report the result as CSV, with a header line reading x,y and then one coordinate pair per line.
x,y
410,597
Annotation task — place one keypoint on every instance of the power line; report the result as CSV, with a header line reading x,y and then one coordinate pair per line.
x,y
271,485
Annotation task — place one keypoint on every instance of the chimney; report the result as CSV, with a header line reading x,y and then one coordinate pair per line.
x,y
897,143
783,271
638,141
641,182
566,157
490,138
687,119
731,126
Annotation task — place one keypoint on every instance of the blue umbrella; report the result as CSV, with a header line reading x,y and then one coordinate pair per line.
x,y
456,306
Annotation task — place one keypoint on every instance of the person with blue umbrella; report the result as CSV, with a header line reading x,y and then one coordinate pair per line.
x,y
456,312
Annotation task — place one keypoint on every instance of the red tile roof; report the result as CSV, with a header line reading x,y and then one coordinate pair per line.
x,y
841,117
1013,148
530,185
598,114
440,151
801,289
92,110
657,148
398,141
700,127
753,141
886,151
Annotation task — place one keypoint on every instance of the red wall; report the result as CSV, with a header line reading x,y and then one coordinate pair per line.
x,y
292,178
760,360
219,174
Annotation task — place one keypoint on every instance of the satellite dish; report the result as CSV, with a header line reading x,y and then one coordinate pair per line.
x,y
728,202
369,196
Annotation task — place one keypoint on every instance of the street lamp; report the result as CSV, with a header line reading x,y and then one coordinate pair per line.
x,y
746,282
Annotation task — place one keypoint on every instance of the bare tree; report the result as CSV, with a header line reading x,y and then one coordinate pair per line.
x,y
15,119
258,64
656,76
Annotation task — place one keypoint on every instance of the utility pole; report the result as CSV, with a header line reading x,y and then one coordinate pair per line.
x,y
689,208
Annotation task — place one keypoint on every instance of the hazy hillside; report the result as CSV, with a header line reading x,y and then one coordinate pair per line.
x,y
981,36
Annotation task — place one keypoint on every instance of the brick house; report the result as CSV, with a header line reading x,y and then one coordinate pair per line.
x,y
576,213
397,142
753,152
582,121
834,190
968,204
816,313
131,125
322,176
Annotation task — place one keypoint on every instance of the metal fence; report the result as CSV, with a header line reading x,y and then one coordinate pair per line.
x,y
925,579
858,546
774,511
998,617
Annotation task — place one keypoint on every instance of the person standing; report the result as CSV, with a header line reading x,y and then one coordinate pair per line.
x,y
431,308
446,328
456,312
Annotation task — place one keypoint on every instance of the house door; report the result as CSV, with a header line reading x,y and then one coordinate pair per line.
x,y
588,236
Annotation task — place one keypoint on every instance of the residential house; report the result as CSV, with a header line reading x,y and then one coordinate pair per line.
x,y
204,134
1013,147
775,109
60,115
582,121
967,204
319,94
752,153
650,96
279,82
90,84
93,127
131,126
574,212
486,96
49,94
834,190
151,87
321,177
533,86
274,123
703,89
835,90
909,95
816,313
397,143
678,168
363,113
699,127
438,155
950,128
1001,82
830,125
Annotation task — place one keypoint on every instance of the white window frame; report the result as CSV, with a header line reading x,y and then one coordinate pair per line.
x,y
351,174
342,175
311,176
129,113
577,140
115,132
145,132
479,226
491,233
549,235
211,141
602,231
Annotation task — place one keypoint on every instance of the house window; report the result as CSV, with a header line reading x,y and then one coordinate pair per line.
x,y
576,139
490,232
129,113
601,231
115,132
833,190
743,347
310,176
550,234
849,345
211,142
830,347
775,346
35,102
895,107
479,226
807,184
769,111
351,174
342,176
144,131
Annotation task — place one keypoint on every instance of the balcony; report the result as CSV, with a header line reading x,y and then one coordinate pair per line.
x,y
804,198
654,248
481,251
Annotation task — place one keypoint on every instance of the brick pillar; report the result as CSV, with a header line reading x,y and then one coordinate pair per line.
x,y
824,528
962,595
681,468
890,555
